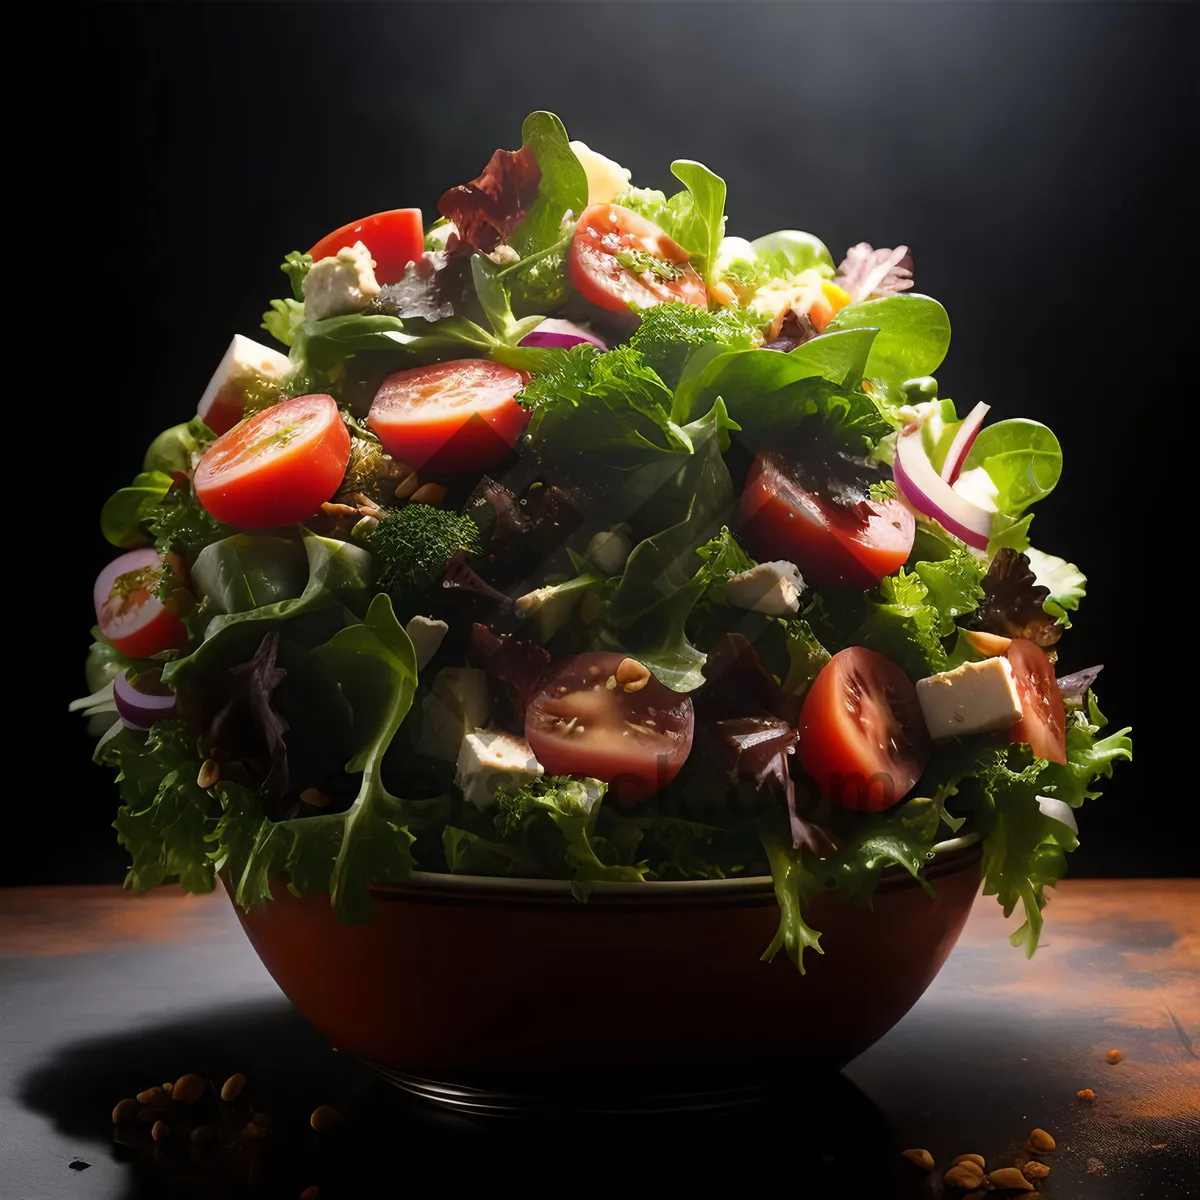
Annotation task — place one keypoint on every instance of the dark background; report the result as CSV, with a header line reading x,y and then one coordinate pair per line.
x,y
1038,159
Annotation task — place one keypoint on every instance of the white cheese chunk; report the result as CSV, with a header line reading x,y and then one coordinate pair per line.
x,y
977,697
458,703
490,758
342,283
770,587
426,636
606,179
610,549
245,364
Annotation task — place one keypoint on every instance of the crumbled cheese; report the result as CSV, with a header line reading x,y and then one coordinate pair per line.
x,y
245,364
343,283
978,697
458,702
609,550
491,758
770,587
426,636
606,179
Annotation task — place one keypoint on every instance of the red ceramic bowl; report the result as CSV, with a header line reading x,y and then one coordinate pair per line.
x,y
478,979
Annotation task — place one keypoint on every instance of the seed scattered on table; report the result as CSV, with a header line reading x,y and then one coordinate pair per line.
x,y
324,1118
965,1175
231,1089
125,1110
202,1135
188,1089
1040,1142
1114,1056
977,1159
1035,1170
920,1158
1086,1095
160,1131
1009,1179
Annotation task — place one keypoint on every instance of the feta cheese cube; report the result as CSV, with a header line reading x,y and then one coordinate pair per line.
x,y
245,365
342,283
606,179
426,636
977,697
457,704
770,587
490,758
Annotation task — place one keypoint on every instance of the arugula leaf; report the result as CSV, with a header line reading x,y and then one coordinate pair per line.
x,y
1066,582
695,218
1023,459
914,335
1089,757
563,186
123,519
669,333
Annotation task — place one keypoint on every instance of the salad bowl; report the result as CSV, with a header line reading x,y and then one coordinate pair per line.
x,y
485,994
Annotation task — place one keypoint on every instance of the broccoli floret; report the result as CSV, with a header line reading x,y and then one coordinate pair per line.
x,y
559,795
412,546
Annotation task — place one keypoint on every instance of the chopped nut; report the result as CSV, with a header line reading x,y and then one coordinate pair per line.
x,y
314,797
1085,1094
1040,1142
160,1131
610,683
632,675
202,1135
405,488
1035,1170
1009,1179
125,1110
324,1118
920,1158
231,1089
977,1159
210,773
188,1089
254,1132
965,1175
153,1098
1114,1056
330,509
429,493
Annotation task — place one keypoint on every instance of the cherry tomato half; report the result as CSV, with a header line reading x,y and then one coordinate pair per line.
x,y
277,467
834,545
618,258
128,610
455,416
863,739
395,238
1043,723
580,725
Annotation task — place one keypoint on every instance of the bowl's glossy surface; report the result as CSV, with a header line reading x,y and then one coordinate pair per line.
x,y
504,979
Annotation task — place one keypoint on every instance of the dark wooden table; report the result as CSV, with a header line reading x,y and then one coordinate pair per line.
x,y
103,993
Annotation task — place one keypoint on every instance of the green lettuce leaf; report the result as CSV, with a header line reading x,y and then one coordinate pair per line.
x,y
126,513
913,337
1067,583
789,252
695,217
1089,756
670,333
1023,459
953,585
563,186
178,448
795,886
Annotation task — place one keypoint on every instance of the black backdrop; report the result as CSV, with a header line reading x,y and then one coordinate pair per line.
x,y
1036,157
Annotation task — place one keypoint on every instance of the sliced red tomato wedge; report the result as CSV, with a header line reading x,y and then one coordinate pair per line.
x,y
395,238
618,258
583,722
277,467
833,544
863,739
128,610
454,417
1043,723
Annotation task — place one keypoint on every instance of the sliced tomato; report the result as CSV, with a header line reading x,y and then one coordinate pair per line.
x,y
455,416
1043,723
583,722
128,610
833,544
618,258
395,238
863,740
277,467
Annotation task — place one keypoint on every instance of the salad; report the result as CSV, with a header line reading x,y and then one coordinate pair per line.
x,y
570,536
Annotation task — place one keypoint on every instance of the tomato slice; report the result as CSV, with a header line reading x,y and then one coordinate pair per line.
x,y
395,238
455,416
863,740
618,258
129,612
833,544
277,467
1043,723
583,722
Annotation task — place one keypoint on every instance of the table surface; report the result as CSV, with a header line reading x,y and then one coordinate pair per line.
x,y
103,993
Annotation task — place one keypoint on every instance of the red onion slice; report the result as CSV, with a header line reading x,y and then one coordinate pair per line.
x,y
964,439
139,710
930,494
553,334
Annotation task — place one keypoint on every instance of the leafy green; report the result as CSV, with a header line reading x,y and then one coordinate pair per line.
x,y
295,266
563,185
795,886
181,523
953,585
249,571
695,218
284,319
914,335
178,448
669,333
1066,582
123,519
104,662
806,657
413,544
1089,756
1023,459
493,297
789,252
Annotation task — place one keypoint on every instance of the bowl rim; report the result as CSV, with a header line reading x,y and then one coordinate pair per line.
x,y
949,854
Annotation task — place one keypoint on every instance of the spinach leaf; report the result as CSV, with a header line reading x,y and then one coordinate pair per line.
x,y
914,335
249,571
563,186
1023,459
178,448
124,517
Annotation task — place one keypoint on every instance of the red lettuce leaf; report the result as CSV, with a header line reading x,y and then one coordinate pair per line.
x,y
866,272
486,210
